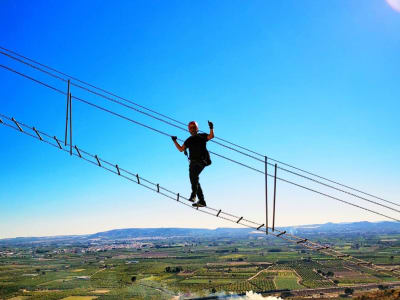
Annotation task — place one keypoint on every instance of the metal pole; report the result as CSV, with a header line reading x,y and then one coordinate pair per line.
x,y
273,213
66,118
70,124
266,195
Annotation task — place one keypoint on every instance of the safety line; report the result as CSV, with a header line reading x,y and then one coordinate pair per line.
x,y
222,156
176,121
229,159
281,234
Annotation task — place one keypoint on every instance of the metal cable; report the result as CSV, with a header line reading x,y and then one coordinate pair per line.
x,y
151,128
174,120
284,236
229,159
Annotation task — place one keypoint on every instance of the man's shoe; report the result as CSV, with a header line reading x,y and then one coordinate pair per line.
x,y
192,199
199,204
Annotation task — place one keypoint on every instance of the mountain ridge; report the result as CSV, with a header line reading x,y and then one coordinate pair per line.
x,y
362,227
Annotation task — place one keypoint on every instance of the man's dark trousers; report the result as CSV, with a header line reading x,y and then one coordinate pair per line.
x,y
195,169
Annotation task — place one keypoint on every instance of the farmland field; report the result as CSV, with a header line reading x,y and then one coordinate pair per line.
x,y
163,268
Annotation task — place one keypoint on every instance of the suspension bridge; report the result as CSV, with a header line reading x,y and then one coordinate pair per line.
x,y
94,159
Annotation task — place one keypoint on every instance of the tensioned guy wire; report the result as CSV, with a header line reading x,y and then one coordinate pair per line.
x,y
225,216
298,185
172,119
219,155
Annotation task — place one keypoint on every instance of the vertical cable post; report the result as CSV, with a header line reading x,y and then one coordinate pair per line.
x,y
70,124
158,188
177,197
138,180
266,195
273,212
66,118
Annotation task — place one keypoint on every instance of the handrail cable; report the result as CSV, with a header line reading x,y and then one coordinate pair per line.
x,y
179,122
327,250
219,155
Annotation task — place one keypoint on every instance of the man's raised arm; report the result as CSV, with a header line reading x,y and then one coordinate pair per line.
x,y
211,135
179,147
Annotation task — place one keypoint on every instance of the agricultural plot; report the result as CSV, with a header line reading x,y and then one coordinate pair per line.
x,y
286,279
309,277
261,285
236,266
291,283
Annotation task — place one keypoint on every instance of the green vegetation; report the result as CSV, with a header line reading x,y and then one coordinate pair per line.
x,y
162,268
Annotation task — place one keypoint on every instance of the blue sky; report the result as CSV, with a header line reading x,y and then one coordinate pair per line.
x,y
312,83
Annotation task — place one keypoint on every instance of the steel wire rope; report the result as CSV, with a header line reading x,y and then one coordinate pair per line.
x,y
123,104
179,122
362,263
108,169
291,238
222,156
169,123
130,173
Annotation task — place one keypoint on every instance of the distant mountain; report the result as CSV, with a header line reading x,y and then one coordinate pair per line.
x,y
169,232
356,228
385,227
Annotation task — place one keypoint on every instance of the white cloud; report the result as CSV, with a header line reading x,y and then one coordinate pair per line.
x,y
395,4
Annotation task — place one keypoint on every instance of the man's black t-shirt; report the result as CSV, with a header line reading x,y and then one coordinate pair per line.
x,y
197,146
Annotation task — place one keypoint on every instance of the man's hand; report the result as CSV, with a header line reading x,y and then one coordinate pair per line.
x,y
211,135
173,138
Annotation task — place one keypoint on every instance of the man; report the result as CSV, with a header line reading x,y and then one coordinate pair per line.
x,y
198,156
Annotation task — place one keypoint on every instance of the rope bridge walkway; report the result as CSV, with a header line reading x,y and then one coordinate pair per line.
x,y
70,97
177,197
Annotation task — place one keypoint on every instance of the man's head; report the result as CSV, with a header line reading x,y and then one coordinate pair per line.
x,y
193,127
